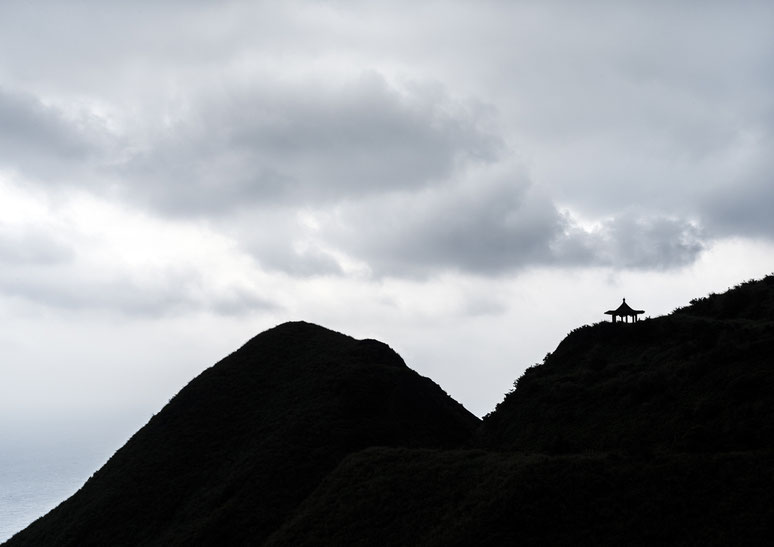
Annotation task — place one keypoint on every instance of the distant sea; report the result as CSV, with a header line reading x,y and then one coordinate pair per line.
x,y
34,481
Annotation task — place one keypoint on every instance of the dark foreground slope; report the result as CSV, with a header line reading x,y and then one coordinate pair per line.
x,y
698,380
463,498
235,452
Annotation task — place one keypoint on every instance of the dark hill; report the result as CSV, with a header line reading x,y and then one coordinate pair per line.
x,y
700,379
235,452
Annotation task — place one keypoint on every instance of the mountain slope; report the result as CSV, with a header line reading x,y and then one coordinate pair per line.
x,y
700,379
234,453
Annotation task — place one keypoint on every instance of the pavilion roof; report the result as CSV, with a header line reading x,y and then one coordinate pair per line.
x,y
624,309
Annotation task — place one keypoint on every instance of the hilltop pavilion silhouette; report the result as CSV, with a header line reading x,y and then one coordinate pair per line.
x,y
624,311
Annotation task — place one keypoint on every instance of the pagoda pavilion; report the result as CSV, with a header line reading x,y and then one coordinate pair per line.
x,y
624,311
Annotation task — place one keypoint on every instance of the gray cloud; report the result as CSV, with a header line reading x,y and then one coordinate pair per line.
x,y
32,245
309,262
71,287
41,140
636,242
279,240
312,142
483,230
743,205
661,143
501,226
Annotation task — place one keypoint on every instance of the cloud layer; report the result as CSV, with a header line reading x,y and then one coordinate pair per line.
x,y
390,142
304,143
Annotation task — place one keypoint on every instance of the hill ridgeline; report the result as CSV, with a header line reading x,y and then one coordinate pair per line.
x,y
655,432
231,456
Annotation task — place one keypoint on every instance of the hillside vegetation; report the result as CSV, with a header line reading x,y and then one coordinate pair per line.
x,y
700,379
464,498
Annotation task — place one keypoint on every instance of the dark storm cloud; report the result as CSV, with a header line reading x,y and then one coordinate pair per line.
x,y
307,143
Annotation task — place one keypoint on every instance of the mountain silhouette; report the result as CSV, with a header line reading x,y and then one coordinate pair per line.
x,y
235,451
657,432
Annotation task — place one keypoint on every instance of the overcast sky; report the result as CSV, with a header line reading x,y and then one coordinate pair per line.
x,y
466,181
